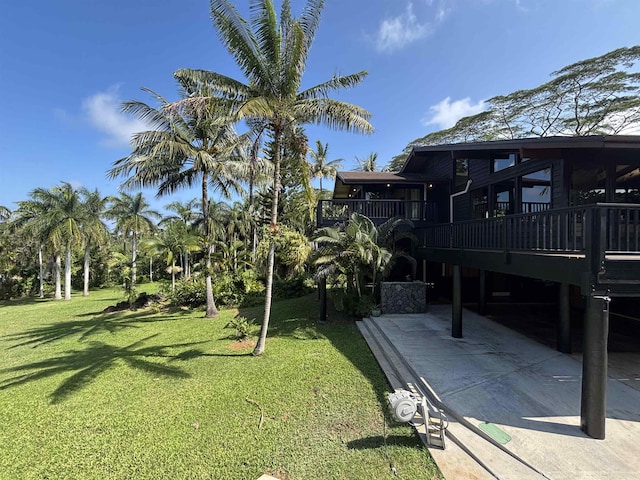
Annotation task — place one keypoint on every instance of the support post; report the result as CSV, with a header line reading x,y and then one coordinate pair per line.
x,y
322,293
593,410
482,300
564,320
456,316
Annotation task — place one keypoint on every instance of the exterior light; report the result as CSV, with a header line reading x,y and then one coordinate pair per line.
x,y
388,185
431,185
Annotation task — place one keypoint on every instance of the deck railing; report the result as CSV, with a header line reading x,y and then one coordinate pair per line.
x,y
602,227
332,211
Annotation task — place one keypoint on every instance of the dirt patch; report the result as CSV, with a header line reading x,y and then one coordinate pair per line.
x,y
242,345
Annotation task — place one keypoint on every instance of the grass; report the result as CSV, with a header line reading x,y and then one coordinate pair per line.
x,y
170,395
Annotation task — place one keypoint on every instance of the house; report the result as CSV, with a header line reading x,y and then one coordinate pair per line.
x,y
561,211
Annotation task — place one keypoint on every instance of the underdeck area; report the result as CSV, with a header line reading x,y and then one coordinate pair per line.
x,y
526,391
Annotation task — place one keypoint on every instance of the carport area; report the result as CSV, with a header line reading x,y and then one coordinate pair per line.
x,y
525,393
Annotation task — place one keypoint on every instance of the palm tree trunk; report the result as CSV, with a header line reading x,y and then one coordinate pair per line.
x,y
134,257
67,273
41,272
151,268
271,260
212,311
85,289
173,276
58,293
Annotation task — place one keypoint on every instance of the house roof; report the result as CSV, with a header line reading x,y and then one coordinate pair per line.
x,y
349,178
527,147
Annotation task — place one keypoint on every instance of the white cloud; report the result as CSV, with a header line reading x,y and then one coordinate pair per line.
x,y
396,32
446,113
103,112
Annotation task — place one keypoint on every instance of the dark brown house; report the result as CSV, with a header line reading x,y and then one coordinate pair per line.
x,y
556,210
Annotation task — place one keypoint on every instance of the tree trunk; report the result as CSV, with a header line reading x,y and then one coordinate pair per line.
x,y
85,289
212,311
41,271
260,346
134,257
150,268
173,276
58,292
67,274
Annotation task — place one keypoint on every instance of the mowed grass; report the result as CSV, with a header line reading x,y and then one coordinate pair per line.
x,y
168,395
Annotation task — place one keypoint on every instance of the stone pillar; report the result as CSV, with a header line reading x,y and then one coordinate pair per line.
x,y
593,405
456,316
564,320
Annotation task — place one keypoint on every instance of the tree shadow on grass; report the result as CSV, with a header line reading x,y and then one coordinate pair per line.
x,y
102,323
97,358
378,441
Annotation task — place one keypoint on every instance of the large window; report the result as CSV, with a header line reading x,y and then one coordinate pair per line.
x,y
503,200
588,183
536,191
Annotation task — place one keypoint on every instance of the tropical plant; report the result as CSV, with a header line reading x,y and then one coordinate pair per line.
x,y
361,252
182,149
321,167
58,217
93,228
133,218
272,55
368,163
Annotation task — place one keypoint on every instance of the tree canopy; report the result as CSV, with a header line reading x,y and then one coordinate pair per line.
x,y
596,96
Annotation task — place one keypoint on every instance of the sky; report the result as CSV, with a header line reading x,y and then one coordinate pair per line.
x,y
66,67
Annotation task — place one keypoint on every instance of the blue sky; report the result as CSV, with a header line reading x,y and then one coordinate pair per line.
x,y
66,66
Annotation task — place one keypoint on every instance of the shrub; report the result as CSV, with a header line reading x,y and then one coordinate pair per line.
x,y
242,327
293,287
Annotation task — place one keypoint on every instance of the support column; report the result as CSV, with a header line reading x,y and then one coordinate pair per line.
x,y
564,320
322,294
593,409
456,315
482,300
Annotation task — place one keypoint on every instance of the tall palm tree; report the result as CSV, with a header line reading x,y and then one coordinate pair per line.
x,y
29,220
61,221
180,150
321,167
187,215
272,55
133,217
93,228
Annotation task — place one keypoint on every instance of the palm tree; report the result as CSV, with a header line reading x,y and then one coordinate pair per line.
x,y
272,56
93,228
321,167
369,163
180,150
60,219
133,217
29,220
187,215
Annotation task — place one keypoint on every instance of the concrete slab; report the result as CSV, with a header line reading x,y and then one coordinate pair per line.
x,y
528,390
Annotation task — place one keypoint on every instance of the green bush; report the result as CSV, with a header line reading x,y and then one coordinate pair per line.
x,y
242,327
16,287
228,290
293,287
351,304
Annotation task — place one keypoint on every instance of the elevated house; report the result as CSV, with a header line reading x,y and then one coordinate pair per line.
x,y
561,211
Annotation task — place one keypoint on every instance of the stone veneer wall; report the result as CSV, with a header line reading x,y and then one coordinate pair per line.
x,y
403,297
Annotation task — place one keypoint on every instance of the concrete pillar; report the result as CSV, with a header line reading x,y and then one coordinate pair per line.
x,y
482,299
456,316
593,406
564,320
322,294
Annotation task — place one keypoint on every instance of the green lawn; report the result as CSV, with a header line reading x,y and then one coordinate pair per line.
x,y
147,395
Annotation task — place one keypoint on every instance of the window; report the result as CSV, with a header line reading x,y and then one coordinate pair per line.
x,y
536,191
588,183
480,203
462,172
502,161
